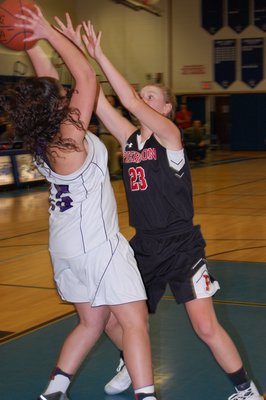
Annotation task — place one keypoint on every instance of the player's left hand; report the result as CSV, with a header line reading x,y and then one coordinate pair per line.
x,y
68,30
92,41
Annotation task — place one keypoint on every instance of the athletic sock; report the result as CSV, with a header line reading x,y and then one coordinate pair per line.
x,y
145,393
59,382
240,379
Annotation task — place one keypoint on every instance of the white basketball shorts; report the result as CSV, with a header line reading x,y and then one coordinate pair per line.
x,y
107,275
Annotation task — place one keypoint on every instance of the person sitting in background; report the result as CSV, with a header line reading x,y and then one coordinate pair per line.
x,y
194,141
183,117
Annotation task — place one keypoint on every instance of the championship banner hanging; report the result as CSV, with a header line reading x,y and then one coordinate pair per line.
x,y
225,62
238,14
252,61
260,14
212,15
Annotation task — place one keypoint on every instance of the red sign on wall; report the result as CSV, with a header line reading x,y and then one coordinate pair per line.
x,y
197,69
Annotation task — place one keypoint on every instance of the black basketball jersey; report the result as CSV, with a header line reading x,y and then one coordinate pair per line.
x,y
158,186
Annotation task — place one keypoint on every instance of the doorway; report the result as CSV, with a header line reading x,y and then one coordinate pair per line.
x,y
221,121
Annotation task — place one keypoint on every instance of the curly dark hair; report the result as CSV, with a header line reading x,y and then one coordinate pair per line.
x,y
36,107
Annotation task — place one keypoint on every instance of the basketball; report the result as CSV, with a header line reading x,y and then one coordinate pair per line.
x,y
11,36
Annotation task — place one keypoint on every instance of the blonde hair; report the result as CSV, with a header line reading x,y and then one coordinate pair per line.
x,y
168,97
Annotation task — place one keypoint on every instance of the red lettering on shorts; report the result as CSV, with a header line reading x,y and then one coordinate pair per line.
x,y
207,281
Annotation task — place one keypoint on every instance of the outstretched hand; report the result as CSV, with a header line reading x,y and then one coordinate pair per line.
x,y
35,22
92,41
69,31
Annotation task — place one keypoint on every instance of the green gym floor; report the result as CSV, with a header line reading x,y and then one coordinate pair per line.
x,y
183,366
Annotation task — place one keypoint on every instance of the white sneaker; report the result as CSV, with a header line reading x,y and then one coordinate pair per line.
x,y
53,396
120,382
250,393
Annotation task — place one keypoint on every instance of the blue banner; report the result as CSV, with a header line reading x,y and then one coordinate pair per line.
x,y
260,14
252,61
225,62
212,15
238,14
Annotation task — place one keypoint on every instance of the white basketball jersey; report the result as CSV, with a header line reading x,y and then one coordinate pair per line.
x,y
82,209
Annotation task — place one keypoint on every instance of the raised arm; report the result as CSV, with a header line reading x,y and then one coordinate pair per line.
x,y
116,124
67,29
42,65
165,129
83,97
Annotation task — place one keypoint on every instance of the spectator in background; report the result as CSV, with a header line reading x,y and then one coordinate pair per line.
x,y
194,141
183,117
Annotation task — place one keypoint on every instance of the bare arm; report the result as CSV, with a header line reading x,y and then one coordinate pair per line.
x,y
166,130
41,63
116,124
83,73
83,96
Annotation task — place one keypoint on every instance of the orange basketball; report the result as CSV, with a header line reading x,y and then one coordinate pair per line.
x,y
11,36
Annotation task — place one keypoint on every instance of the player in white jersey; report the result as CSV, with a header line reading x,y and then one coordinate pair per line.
x,y
93,264
91,259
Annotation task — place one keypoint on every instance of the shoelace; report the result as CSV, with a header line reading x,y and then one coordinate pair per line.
x,y
241,396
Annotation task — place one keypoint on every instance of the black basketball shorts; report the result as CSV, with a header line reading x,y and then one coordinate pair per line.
x,y
178,261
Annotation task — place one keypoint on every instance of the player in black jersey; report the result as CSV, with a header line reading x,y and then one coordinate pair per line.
x,y
169,248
